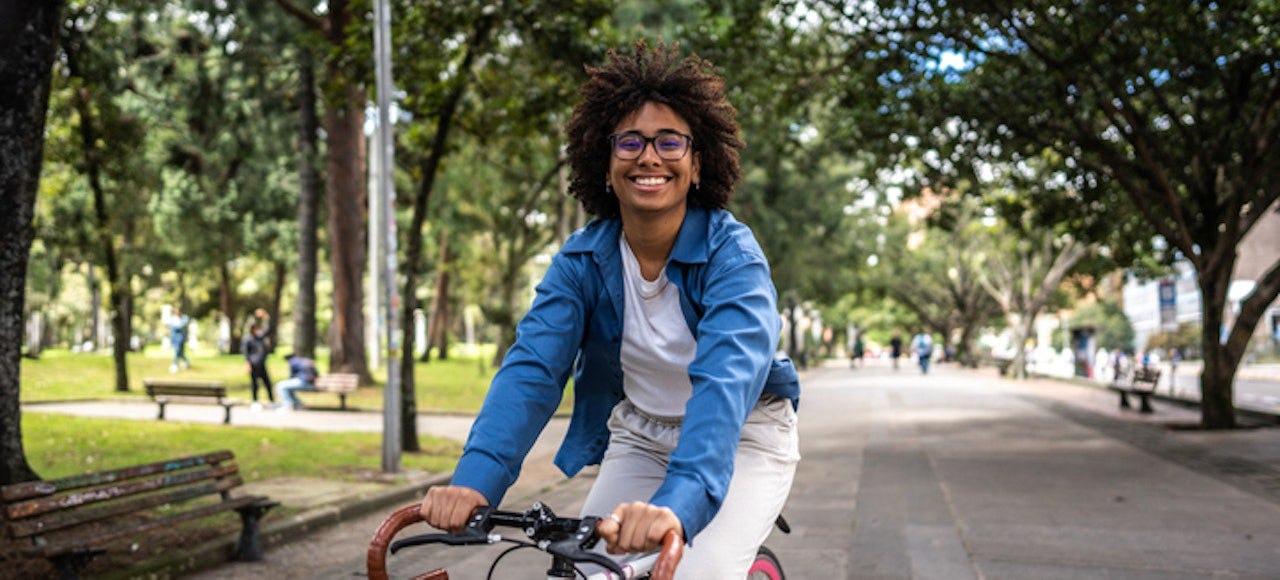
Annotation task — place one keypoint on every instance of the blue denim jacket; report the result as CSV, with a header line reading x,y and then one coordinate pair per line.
x,y
575,324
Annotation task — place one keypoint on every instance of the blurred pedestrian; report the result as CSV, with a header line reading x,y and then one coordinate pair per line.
x,y
922,344
179,324
302,377
255,349
895,348
857,349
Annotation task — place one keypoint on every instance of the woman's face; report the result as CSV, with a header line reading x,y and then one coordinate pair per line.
x,y
652,184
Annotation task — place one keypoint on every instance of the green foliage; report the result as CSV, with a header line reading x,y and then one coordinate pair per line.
x,y
1112,329
1186,340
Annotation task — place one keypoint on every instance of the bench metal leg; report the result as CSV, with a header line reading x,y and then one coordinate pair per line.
x,y
1146,403
342,401
70,564
162,404
249,548
1124,400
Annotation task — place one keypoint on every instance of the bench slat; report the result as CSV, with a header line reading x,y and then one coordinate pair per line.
x,y
165,383
68,521
58,520
29,489
73,543
337,383
34,507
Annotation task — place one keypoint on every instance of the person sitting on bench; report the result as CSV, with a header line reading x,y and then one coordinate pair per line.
x,y
302,377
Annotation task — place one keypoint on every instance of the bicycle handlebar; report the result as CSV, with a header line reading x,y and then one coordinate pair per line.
x,y
569,538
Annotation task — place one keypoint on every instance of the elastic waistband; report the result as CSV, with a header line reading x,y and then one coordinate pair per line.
x,y
765,399
659,419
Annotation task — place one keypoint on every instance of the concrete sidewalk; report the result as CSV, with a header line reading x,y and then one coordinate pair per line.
x,y
955,474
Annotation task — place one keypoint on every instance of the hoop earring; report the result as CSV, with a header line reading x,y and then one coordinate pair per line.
x,y
608,188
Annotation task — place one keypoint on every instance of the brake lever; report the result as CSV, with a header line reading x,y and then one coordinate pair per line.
x,y
577,546
476,532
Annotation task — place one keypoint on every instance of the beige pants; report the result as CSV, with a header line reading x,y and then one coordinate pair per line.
x,y
636,463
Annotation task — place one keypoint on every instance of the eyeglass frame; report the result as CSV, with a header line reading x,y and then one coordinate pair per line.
x,y
613,144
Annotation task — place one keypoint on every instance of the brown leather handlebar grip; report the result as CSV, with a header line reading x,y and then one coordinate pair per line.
x,y
668,557
376,559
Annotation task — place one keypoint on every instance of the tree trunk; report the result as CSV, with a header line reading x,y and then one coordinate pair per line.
x,y
1217,378
95,308
964,348
226,304
277,295
304,313
30,33
102,222
1021,330
345,193
120,333
438,326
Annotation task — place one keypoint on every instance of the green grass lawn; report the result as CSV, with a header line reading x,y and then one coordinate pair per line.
x,y
58,445
456,385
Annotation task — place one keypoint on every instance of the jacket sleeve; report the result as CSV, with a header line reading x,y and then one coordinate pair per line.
x,y
737,336
529,385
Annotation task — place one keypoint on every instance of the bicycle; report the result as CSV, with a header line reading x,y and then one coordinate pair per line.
x,y
569,542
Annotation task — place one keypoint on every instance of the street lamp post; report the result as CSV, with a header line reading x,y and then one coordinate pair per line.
x,y
391,400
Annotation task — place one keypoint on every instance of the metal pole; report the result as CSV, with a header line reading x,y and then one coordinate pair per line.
x,y
391,407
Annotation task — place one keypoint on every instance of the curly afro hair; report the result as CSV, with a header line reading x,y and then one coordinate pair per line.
x,y
625,83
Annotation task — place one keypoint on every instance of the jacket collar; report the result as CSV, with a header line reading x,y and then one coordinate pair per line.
x,y
600,237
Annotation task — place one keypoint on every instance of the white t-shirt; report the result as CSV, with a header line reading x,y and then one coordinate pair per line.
x,y
657,346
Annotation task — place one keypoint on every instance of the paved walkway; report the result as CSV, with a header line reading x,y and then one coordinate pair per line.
x,y
957,474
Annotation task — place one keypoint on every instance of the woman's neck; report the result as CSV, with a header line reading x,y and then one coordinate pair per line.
x,y
651,240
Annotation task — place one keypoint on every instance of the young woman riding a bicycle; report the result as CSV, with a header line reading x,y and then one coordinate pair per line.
x,y
664,311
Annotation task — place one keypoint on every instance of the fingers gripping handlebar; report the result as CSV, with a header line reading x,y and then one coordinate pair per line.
x,y
567,538
376,559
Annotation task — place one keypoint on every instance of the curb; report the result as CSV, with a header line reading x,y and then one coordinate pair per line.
x,y
221,551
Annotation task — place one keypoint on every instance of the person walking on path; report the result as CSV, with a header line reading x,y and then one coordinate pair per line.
x,y
663,310
857,349
255,349
302,377
895,349
922,344
179,324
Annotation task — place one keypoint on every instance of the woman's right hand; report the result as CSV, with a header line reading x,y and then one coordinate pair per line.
x,y
448,507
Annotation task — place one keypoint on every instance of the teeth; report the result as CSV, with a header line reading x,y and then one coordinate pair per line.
x,y
651,180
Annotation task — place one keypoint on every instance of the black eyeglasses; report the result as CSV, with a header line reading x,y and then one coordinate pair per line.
x,y
669,145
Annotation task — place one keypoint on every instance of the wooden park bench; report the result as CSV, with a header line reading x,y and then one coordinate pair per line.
x,y
71,520
342,384
1142,386
164,391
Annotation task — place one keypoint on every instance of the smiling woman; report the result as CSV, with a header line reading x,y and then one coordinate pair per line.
x,y
664,312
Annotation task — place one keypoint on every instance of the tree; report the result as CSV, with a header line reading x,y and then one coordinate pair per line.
x,y
463,89
26,60
1171,105
304,309
1023,276
939,276
1112,329
344,101
116,180
225,146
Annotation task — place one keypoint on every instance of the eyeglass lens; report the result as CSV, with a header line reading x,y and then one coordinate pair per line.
x,y
669,145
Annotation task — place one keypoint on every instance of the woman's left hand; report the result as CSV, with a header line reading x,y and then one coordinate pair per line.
x,y
637,527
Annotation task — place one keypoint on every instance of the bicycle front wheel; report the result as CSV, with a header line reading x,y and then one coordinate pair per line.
x,y
766,566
